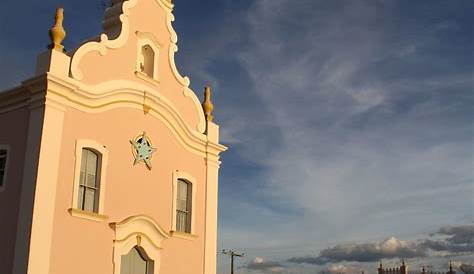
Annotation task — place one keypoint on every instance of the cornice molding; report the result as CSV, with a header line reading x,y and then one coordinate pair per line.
x,y
14,99
31,93
122,93
65,92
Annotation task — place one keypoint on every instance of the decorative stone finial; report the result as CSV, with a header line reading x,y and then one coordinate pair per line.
x,y
57,32
207,105
139,240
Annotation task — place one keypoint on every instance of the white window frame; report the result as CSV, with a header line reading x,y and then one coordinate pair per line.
x,y
5,175
103,154
177,175
145,39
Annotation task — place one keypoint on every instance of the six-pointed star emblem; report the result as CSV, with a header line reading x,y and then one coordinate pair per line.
x,y
143,151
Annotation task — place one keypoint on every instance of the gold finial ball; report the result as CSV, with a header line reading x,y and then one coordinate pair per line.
x,y
57,32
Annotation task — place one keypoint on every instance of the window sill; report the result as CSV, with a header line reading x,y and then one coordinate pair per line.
x,y
147,78
87,215
183,235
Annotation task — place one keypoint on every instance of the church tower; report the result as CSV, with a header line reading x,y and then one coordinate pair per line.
x,y
108,160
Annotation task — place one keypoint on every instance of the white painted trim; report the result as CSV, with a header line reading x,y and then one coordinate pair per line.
x,y
121,93
120,12
5,175
102,47
185,236
87,215
145,77
211,215
140,231
47,180
178,174
103,162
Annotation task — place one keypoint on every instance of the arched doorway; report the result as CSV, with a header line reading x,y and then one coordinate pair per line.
x,y
138,242
136,262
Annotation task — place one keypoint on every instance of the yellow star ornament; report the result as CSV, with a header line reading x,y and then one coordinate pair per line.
x,y
142,150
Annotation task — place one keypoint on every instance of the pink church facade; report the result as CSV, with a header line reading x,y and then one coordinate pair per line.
x,y
109,162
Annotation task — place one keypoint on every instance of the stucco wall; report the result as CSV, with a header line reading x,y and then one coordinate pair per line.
x,y
130,190
14,129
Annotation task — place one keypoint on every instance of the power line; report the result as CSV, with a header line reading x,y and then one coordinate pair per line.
x,y
232,254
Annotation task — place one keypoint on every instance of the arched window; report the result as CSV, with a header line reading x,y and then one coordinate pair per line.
x,y
148,51
148,62
136,262
89,181
137,244
90,170
184,206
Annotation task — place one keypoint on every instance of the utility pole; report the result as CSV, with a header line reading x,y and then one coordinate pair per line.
x,y
232,254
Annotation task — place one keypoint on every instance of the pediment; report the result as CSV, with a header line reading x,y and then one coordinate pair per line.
x,y
140,225
133,29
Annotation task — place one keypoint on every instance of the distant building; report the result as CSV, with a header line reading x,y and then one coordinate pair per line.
x,y
403,269
450,271
108,160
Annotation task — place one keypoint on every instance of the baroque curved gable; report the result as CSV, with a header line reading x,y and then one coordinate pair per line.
x,y
115,55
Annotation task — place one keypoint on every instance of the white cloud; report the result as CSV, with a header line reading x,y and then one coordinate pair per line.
x,y
260,265
343,269
348,155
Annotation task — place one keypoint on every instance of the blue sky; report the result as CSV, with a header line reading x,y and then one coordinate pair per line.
x,y
349,123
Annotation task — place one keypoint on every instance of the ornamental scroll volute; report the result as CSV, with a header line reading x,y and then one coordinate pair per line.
x,y
136,52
